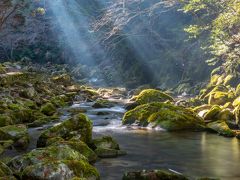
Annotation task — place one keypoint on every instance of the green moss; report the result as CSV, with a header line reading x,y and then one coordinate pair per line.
x,y
13,132
59,101
164,115
109,153
152,95
77,125
48,109
222,128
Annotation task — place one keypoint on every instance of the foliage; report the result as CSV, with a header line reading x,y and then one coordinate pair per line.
x,y
217,24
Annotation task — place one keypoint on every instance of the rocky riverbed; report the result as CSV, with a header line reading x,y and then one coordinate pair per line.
x,y
53,127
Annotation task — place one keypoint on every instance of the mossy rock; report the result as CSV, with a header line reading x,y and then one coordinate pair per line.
x,y
5,120
237,92
51,153
226,115
236,102
102,103
5,172
221,128
220,98
5,145
151,95
237,115
212,113
153,174
28,93
17,133
106,142
77,125
166,116
59,101
67,169
109,153
3,69
48,109
76,145
64,79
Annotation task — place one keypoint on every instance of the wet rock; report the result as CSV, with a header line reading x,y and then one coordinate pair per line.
x,y
151,95
109,153
153,175
106,142
78,125
102,103
166,116
221,128
16,133
48,109
107,147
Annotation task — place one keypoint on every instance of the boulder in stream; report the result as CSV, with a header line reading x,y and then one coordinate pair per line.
x,y
163,115
79,125
153,175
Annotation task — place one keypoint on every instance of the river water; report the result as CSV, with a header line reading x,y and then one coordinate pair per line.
x,y
194,154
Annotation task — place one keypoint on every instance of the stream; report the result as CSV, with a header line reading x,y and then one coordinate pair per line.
x,y
195,154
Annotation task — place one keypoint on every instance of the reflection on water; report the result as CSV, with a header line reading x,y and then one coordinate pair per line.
x,y
193,154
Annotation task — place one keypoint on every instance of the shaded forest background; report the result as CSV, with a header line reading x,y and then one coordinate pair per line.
x,y
165,43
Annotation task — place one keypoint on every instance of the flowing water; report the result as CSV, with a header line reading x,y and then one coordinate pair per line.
x,y
195,154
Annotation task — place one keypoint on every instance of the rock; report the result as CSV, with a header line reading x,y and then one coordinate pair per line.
x,y
78,125
222,128
76,145
220,98
5,120
237,92
60,101
17,133
29,93
107,147
106,142
64,169
151,95
48,109
166,116
153,175
212,114
55,161
109,153
236,102
102,103
5,145
63,79
5,172
226,115
237,115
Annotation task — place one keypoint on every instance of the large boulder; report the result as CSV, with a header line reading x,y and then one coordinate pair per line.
x,y
17,133
78,125
56,161
102,103
107,147
153,175
164,115
76,145
151,95
221,128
